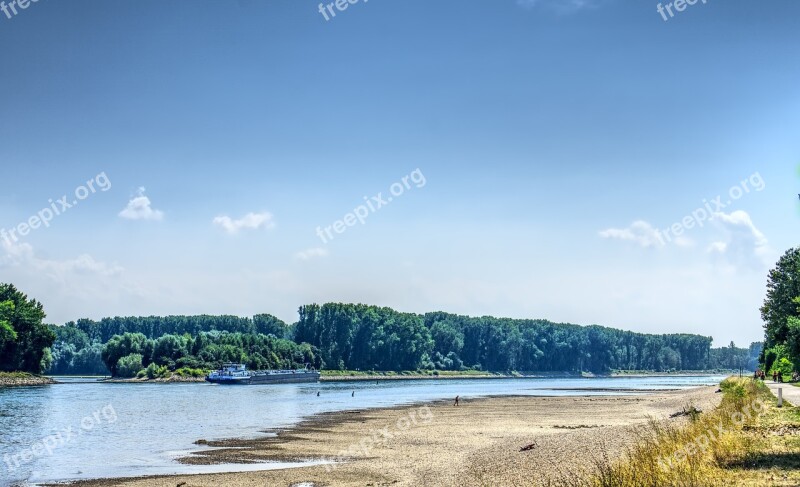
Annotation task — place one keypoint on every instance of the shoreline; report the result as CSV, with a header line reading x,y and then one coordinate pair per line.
x,y
400,376
171,380
481,442
554,375
23,379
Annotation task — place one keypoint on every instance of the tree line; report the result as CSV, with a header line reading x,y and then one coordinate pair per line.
x,y
781,315
349,336
157,326
132,354
198,342
357,336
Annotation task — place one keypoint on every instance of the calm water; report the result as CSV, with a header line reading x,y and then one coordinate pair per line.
x,y
90,430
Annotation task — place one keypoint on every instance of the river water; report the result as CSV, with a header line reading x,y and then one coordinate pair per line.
x,y
79,430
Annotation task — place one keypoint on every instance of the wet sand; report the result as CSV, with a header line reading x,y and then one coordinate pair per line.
x,y
478,443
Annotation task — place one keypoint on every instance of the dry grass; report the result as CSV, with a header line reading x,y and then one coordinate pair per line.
x,y
745,441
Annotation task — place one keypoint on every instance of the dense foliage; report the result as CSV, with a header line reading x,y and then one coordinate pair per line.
x,y
158,326
357,336
24,339
74,353
781,314
127,354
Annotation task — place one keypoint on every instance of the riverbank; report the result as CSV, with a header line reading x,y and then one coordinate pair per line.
x,y
684,373
342,376
23,379
354,376
491,441
334,375
159,380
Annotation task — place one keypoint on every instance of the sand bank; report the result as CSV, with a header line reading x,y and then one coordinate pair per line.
x,y
478,443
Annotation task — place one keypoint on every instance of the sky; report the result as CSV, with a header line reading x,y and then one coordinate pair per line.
x,y
582,161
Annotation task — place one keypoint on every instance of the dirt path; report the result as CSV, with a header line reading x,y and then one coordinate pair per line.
x,y
790,392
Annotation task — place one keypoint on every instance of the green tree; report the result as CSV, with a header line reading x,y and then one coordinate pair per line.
x,y
793,337
23,335
168,349
269,325
783,286
121,346
129,365
7,333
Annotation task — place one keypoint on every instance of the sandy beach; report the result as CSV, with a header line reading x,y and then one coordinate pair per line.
x,y
478,443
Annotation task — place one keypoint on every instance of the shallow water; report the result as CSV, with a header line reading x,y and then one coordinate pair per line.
x,y
81,429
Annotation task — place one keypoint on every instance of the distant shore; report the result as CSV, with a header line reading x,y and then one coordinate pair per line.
x,y
354,376
335,376
488,441
23,379
175,379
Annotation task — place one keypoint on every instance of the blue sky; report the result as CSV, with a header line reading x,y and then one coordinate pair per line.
x,y
554,138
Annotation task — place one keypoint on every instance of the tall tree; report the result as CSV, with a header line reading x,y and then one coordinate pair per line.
x,y
23,335
783,286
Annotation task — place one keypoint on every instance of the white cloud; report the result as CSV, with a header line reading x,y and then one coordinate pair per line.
x,y
309,254
23,255
640,232
251,221
74,287
139,208
718,247
745,245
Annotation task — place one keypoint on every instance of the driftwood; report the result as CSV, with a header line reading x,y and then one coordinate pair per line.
x,y
686,412
528,447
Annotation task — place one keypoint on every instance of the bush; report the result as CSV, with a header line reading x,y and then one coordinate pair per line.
x,y
154,371
129,365
189,372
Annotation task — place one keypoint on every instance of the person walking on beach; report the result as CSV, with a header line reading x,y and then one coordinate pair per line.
x,y
456,403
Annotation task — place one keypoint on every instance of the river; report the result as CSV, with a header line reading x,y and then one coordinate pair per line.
x,y
79,430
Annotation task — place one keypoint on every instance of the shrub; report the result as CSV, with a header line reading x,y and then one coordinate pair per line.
x,y
154,371
129,365
189,372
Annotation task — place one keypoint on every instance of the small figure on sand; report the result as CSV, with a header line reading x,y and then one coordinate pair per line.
x,y
353,394
456,402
